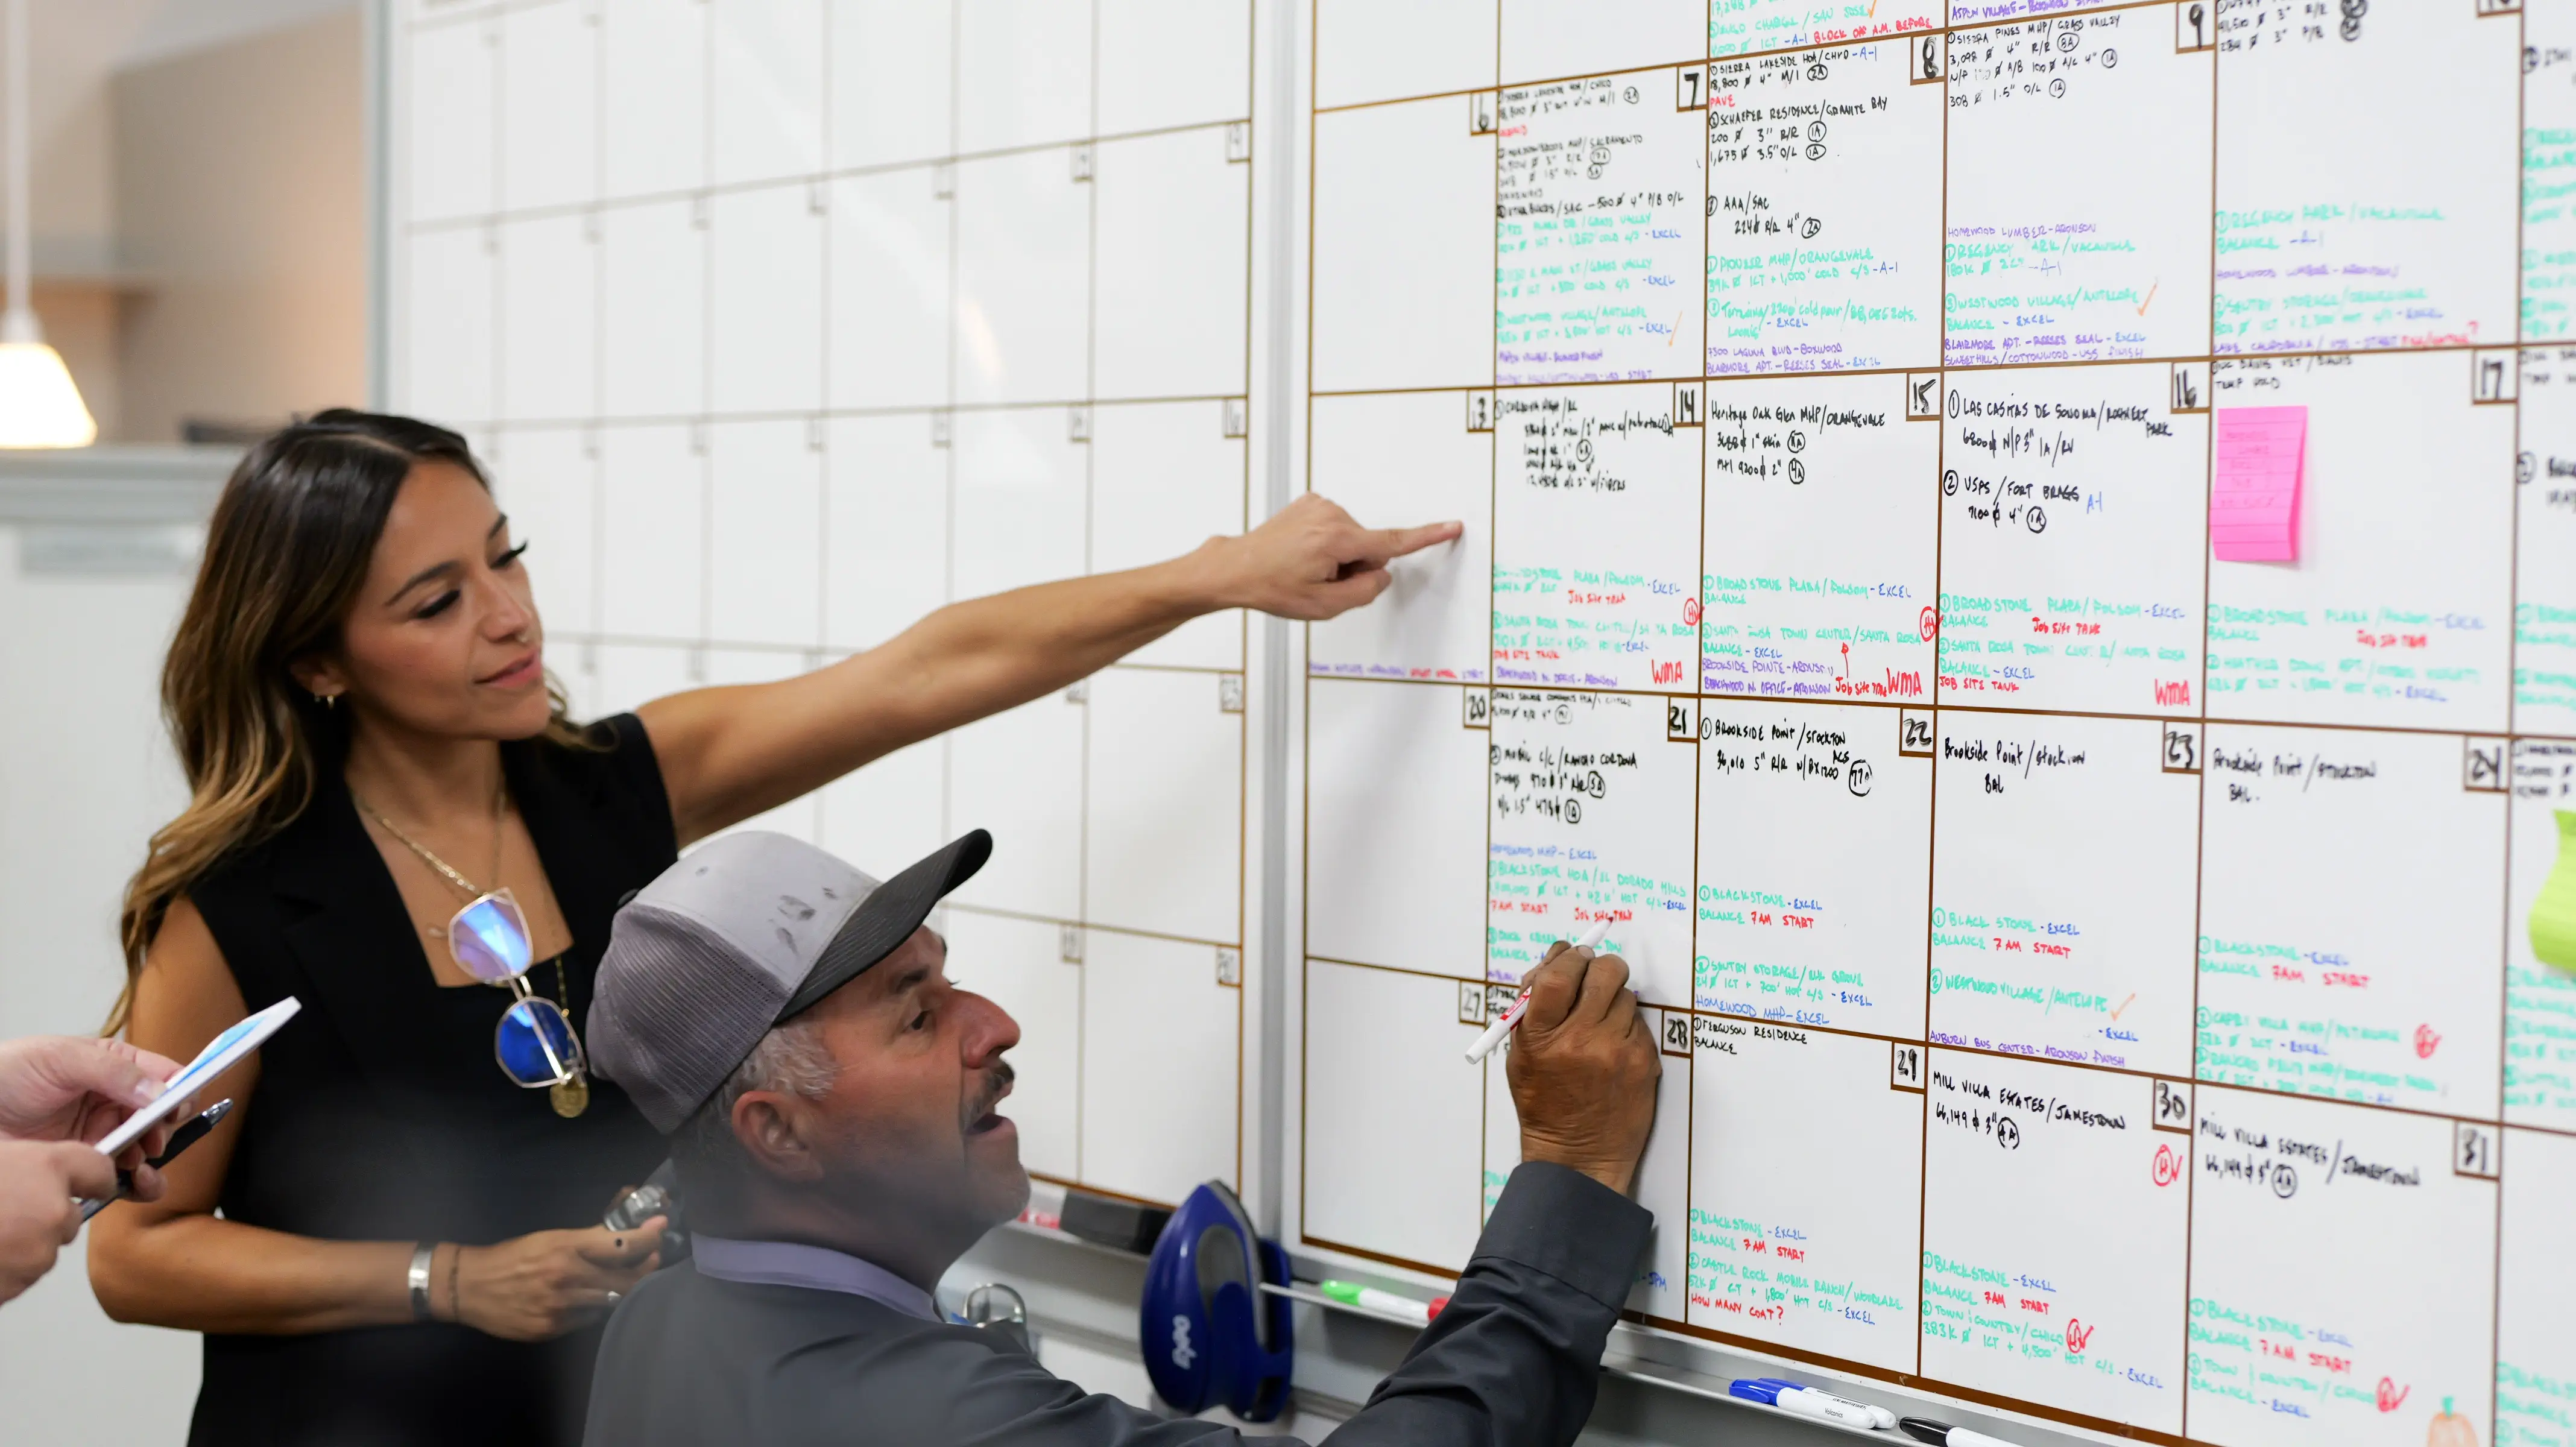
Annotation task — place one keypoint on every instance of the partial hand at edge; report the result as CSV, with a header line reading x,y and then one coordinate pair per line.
x,y
39,1212
1583,1067
74,1087
1312,561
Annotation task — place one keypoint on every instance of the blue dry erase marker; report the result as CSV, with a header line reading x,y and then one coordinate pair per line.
x,y
1801,1401
1879,1417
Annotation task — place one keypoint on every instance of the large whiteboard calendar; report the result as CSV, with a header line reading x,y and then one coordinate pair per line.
x,y
2023,554
2094,966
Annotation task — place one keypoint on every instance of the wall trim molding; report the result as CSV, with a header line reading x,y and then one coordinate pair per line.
x,y
148,485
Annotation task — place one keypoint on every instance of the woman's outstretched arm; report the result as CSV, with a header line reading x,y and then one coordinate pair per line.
x,y
729,753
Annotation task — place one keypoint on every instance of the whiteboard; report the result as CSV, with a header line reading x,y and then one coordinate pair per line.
x,y
781,323
2092,976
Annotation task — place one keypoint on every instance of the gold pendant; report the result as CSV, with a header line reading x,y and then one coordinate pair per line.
x,y
570,1097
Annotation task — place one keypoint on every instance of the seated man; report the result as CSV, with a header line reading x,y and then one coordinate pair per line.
x,y
831,1101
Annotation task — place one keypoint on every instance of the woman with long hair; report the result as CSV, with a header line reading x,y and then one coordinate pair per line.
x,y
394,1237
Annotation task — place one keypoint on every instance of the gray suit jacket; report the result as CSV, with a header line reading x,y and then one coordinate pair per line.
x,y
1513,1361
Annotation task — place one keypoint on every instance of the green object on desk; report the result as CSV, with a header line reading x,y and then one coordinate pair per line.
x,y
2553,914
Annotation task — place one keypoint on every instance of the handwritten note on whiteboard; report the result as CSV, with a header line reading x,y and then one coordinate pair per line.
x,y
2254,485
2214,969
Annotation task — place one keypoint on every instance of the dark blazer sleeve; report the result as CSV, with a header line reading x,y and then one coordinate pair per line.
x,y
1515,1358
1513,1361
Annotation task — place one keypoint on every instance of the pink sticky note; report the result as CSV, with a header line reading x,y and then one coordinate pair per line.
x,y
2254,488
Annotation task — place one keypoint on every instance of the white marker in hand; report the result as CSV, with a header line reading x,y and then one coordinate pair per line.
x,y
1495,1032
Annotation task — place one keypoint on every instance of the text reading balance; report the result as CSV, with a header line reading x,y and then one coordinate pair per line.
x,y
1511,1017
221,1054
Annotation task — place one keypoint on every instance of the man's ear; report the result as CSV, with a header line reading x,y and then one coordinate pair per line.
x,y
765,1123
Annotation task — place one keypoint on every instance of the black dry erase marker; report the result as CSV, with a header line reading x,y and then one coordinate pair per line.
x,y
1924,1429
180,1139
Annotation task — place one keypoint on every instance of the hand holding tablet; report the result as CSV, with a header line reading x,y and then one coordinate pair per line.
x,y
221,1054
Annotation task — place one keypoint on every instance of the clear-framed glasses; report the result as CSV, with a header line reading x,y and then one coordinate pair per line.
x,y
534,1042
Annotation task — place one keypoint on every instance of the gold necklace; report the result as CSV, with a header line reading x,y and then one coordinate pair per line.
x,y
569,1097
472,892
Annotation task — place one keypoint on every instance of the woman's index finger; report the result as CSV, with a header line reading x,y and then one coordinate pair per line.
x,y
1396,542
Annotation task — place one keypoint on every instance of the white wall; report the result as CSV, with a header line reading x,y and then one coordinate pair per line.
x,y
99,273
241,197
85,775
78,46
782,323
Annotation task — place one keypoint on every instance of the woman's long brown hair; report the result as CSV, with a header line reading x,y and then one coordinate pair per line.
x,y
285,556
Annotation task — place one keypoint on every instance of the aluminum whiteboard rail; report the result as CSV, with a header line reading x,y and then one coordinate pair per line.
x,y
1694,1385
1679,1380
1317,1298
1668,1378
1052,1233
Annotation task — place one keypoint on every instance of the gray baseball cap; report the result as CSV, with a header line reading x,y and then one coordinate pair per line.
x,y
746,932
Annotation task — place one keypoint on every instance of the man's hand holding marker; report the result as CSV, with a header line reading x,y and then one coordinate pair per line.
x,y
1582,1080
1495,1032
1583,1069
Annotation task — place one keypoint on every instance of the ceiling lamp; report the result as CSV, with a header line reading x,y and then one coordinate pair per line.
x,y
39,404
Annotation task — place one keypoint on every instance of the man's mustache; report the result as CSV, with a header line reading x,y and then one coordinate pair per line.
x,y
997,1083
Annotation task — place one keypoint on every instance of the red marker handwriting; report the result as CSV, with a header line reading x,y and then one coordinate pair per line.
x,y
2168,1166
2426,1041
2077,1336
2391,1394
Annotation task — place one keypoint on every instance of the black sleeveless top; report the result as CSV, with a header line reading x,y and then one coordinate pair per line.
x,y
381,1115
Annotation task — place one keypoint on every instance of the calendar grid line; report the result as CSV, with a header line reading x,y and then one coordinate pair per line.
x,y
2246,722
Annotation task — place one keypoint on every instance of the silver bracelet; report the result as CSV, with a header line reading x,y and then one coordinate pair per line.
x,y
421,1256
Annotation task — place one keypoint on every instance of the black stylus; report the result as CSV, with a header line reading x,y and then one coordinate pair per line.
x,y
180,1139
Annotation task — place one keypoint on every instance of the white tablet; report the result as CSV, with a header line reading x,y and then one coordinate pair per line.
x,y
221,1054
